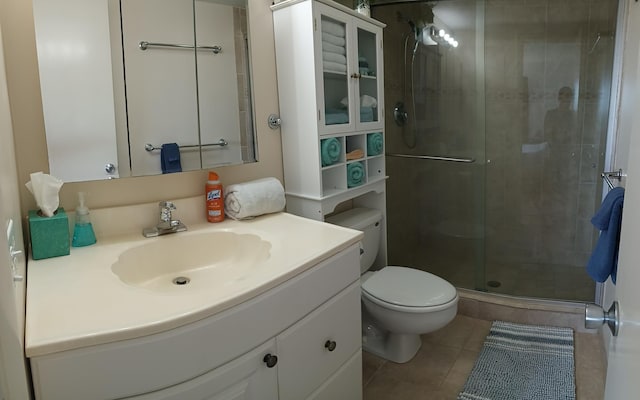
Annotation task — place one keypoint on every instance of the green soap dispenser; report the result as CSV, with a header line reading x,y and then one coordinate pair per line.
x,y
83,234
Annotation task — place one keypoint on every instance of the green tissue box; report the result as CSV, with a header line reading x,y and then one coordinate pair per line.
x,y
49,235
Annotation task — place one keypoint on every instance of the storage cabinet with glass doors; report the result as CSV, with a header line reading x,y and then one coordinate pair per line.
x,y
330,86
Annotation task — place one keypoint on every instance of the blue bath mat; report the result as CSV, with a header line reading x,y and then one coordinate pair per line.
x,y
523,362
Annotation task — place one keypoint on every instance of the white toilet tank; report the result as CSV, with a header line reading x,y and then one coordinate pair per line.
x,y
368,221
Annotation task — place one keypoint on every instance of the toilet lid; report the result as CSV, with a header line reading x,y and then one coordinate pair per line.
x,y
409,287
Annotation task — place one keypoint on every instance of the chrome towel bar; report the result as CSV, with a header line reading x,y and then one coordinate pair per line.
x,y
143,45
221,143
607,176
437,158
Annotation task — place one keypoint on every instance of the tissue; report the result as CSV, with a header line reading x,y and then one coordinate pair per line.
x,y
45,189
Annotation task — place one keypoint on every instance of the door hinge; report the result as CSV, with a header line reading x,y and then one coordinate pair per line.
x,y
315,24
318,115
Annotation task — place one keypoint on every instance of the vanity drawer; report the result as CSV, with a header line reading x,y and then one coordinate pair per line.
x,y
314,348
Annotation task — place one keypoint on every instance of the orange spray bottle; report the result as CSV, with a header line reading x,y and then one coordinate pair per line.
x,y
215,200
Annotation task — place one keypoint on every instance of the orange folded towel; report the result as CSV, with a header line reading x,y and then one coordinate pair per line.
x,y
354,155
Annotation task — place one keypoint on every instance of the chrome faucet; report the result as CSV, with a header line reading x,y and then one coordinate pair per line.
x,y
166,224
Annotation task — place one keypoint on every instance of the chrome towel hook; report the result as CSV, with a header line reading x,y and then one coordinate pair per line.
x,y
607,176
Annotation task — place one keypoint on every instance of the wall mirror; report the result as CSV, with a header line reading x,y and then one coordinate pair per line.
x,y
144,87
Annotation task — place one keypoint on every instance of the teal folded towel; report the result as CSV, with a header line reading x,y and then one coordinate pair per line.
x,y
375,142
355,174
330,151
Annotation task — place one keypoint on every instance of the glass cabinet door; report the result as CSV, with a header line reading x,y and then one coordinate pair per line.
x,y
368,70
335,40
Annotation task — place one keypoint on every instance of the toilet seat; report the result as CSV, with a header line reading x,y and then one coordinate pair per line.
x,y
409,290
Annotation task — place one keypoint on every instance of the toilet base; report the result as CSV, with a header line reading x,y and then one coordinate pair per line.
x,y
397,347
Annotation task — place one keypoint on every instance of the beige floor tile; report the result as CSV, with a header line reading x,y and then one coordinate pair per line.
x,y
441,367
430,366
370,366
386,387
479,333
457,376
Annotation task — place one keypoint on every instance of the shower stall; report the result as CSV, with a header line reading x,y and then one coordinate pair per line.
x,y
496,130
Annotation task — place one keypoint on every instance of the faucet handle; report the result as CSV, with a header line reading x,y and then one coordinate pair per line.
x,y
167,205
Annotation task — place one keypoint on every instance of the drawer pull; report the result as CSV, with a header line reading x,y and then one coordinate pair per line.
x,y
330,345
270,360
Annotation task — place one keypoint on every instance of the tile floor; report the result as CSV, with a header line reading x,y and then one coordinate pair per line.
x,y
442,365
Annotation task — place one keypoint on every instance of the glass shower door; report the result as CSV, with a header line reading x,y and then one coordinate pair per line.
x,y
435,141
494,146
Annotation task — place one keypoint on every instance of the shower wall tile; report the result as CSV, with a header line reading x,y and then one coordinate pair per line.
x,y
587,200
589,163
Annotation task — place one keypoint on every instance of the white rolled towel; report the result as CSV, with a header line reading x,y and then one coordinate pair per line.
x,y
334,67
332,48
251,199
334,28
333,39
333,57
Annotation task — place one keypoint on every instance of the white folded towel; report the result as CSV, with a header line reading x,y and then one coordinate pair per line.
x,y
251,199
334,28
333,57
333,39
332,48
365,101
334,67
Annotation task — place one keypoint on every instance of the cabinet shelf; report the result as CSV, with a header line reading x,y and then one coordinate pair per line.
x,y
334,74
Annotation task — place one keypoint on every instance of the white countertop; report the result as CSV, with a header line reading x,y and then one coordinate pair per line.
x,y
77,301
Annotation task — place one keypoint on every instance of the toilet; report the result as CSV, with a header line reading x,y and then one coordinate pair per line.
x,y
399,303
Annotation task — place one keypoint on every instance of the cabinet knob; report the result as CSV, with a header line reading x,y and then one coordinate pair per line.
x,y
330,345
356,75
270,360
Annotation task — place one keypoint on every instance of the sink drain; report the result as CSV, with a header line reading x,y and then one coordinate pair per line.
x,y
181,280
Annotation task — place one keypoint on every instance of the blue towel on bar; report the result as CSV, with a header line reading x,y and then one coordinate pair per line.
x,y
170,158
608,219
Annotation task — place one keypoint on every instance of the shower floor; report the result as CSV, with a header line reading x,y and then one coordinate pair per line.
x,y
457,263
546,281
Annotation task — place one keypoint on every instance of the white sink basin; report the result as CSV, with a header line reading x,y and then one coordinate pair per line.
x,y
181,261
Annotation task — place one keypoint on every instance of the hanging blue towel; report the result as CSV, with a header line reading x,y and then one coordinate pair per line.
x,y
608,219
170,158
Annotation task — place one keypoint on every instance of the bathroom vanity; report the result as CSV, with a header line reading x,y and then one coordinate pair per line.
x,y
281,326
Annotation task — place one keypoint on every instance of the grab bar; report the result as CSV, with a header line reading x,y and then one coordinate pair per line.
x,y
221,143
145,45
607,176
437,158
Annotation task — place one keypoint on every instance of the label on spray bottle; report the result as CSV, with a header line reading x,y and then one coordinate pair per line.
x,y
215,203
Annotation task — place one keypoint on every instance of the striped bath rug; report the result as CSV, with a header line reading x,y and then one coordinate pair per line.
x,y
523,362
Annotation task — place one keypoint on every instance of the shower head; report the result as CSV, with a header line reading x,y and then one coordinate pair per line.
x,y
419,18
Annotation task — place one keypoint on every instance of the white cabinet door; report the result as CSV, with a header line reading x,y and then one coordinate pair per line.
x,y
336,68
369,93
348,53
312,350
246,378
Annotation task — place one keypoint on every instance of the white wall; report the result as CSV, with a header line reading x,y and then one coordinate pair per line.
x,y
627,57
13,379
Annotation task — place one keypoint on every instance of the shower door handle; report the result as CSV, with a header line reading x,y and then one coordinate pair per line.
x,y
436,158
